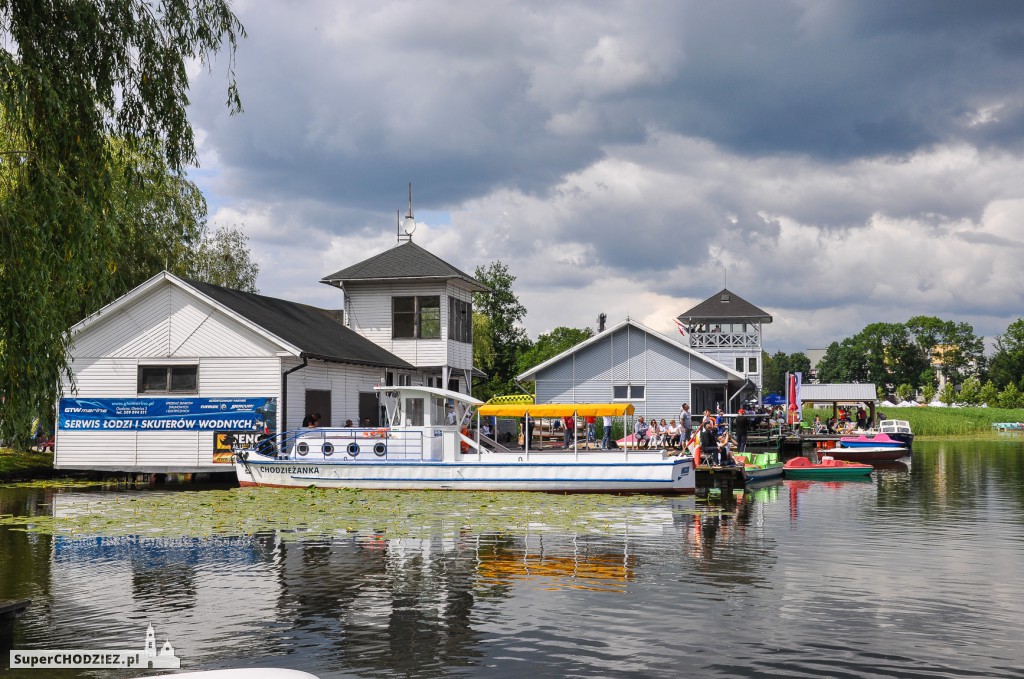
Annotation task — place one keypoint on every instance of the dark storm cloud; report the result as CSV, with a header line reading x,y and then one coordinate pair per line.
x,y
648,148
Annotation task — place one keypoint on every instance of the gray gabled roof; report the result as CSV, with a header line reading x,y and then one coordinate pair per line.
x,y
405,261
724,305
315,332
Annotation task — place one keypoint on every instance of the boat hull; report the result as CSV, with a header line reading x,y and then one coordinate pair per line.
x,y
828,473
646,473
869,454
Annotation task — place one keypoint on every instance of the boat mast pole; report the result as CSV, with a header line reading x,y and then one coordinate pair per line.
x,y
575,439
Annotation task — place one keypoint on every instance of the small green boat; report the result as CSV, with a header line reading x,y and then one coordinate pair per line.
x,y
759,466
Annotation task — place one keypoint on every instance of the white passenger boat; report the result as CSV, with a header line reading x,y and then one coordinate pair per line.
x,y
427,445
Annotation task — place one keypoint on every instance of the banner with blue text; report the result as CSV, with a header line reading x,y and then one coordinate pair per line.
x,y
164,414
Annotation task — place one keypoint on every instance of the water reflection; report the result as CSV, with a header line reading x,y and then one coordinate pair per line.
x,y
913,571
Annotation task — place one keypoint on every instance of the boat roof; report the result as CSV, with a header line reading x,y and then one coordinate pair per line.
x,y
433,391
555,409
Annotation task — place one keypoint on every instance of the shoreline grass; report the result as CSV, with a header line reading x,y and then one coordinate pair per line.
x,y
934,422
25,464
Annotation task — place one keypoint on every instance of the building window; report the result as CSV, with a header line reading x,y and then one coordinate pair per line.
x,y
460,320
416,317
453,384
739,364
168,379
628,392
752,362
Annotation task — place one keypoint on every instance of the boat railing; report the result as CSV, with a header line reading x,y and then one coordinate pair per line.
x,y
376,443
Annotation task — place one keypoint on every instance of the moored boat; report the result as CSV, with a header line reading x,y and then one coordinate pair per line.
x,y
863,441
759,466
426,445
897,430
827,468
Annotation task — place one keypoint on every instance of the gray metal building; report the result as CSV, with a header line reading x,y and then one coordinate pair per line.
x,y
631,362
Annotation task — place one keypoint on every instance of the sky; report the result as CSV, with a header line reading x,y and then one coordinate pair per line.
x,y
833,163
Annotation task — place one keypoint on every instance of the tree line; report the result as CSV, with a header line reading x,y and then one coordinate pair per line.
x,y
906,359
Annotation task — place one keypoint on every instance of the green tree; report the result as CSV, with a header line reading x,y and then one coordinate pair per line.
x,y
1007,364
904,392
970,391
223,258
948,394
989,394
75,74
928,392
550,345
773,372
1011,397
505,338
952,347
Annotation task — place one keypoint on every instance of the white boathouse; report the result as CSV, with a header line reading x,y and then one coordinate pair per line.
x,y
166,376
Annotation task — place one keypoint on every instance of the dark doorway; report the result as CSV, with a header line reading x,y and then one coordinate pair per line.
x,y
318,401
706,397
369,408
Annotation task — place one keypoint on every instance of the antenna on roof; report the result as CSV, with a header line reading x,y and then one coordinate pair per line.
x,y
409,224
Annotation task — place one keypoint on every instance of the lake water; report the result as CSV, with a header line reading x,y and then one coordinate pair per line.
x,y
918,572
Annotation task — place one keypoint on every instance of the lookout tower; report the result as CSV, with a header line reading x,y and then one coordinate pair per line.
x,y
727,328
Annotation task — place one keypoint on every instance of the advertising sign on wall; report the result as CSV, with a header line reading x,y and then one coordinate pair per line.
x,y
243,414
225,442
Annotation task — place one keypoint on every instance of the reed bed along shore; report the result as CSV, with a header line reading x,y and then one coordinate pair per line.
x,y
930,421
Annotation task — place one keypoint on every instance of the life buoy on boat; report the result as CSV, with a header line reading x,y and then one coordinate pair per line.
x,y
376,434
302,448
465,446
353,449
379,449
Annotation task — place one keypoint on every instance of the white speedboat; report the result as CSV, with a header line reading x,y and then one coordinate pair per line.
x,y
427,445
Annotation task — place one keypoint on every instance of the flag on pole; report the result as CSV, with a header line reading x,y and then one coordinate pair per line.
x,y
680,327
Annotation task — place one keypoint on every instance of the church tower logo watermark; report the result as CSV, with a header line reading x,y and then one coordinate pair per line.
x,y
147,658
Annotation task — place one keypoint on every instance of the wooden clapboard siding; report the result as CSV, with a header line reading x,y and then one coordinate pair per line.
x,y
345,382
169,321
460,354
368,310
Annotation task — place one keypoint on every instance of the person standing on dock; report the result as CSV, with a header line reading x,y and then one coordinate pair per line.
x,y
686,421
741,427
606,440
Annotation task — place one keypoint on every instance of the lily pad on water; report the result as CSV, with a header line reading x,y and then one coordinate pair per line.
x,y
318,512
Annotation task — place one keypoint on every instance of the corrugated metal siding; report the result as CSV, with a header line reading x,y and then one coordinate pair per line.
x,y
637,355
594,362
619,349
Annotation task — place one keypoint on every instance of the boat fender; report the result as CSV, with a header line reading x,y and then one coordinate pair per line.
x,y
302,448
328,449
353,449
379,449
